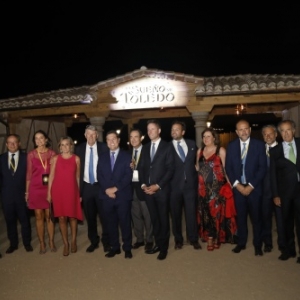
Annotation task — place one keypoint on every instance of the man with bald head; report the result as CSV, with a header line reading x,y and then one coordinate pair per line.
x,y
246,166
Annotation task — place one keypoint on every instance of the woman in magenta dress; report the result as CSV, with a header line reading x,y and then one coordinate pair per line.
x,y
38,168
216,212
63,191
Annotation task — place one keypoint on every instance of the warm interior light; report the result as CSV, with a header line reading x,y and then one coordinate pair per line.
x,y
118,131
240,109
208,124
75,116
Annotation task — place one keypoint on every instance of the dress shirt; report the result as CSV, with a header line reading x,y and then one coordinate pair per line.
x,y
116,153
242,146
182,144
87,162
16,157
156,145
139,149
286,148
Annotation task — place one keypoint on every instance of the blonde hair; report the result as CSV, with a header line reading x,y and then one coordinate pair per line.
x,y
70,140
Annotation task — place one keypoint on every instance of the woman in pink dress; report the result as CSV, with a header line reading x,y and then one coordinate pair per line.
x,y
63,191
38,168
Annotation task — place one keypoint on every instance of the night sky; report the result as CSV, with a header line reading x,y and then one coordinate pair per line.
x,y
48,47
51,47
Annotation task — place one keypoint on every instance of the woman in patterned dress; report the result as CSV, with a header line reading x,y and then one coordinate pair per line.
x,y
216,213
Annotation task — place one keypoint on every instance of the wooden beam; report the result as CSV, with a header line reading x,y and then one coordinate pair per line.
x,y
248,99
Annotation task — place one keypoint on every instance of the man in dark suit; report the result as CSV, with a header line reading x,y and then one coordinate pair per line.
x,y
246,166
184,187
13,185
269,133
115,176
285,184
89,187
157,168
141,220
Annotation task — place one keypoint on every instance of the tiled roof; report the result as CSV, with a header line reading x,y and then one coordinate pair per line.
x,y
249,84
53,98
206,86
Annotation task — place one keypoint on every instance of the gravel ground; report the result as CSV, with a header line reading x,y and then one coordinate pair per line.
x,y
185,274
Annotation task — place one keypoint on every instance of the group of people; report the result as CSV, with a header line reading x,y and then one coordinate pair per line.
x,y
139,190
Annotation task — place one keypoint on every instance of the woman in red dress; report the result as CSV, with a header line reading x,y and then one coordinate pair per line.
x,y
38,168
63,191
216,212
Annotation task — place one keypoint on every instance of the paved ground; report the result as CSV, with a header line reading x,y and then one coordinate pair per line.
x,y
185,274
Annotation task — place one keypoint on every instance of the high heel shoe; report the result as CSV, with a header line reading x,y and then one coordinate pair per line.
x,y
42,248
66,250
210,245
52,247
73,248
217,245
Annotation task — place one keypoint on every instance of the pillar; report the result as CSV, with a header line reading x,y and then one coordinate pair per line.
x,y
200,119
98,122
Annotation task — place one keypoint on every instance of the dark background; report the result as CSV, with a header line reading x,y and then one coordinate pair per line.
x,y
49,46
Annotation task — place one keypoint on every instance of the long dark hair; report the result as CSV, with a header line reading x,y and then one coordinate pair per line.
x,y
48,142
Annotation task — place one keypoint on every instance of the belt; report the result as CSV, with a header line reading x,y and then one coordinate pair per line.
x,y
95,183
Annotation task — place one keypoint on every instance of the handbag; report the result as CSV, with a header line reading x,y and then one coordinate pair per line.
x,y
51,212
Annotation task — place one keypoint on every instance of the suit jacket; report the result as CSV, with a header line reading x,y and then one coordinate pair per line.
x,y
255,166
161,169
137,185
185,174
284,173
80,151
120,177
13,186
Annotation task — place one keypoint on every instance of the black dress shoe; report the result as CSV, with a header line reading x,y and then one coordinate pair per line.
x,y
196,245
258,251
178,245
0,255
28,248
153,250
128,254
11,249
298,260
162,255
91,248
138,245
148,246
268,248
286,256
112,253
106,247
238,249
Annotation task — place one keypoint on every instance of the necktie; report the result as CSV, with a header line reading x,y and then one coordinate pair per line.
x,y
91,167
135,155
268,155
112,160
292,156
135,158
181,152
12,165
152,151
243,160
